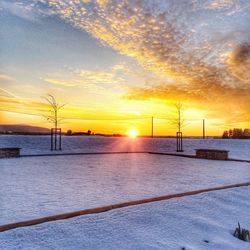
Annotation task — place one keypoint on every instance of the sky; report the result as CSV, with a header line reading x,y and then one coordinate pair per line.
x,y
115,64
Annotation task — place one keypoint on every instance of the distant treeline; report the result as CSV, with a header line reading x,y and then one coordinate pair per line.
x,y
22,133
71,133
236,133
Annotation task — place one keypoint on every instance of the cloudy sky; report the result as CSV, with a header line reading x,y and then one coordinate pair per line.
x,y
126,59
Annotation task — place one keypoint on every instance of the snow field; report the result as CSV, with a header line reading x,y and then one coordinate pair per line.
x,y
39,186
204,221
239,149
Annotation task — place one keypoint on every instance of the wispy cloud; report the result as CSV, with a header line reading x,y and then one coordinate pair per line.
x,y
221,4
91,78
66,83
99,77
4,78
29,10
6,93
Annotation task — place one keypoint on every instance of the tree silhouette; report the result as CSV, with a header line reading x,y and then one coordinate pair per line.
x,y
53,117
179,121
53,113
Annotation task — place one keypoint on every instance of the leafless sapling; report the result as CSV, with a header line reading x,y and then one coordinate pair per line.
x,y
54,118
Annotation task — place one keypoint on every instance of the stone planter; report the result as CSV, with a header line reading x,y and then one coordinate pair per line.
x,y
9,152
213,154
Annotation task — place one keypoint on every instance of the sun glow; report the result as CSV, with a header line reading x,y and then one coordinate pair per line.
x,y
132,133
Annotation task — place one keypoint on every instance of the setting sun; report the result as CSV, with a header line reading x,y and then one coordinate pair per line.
x,y
132,133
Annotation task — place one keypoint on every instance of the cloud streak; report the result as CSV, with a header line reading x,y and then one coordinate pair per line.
x,y
90,78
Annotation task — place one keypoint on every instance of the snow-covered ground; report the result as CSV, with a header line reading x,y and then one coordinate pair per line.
x,y
239,149
204,221
32,187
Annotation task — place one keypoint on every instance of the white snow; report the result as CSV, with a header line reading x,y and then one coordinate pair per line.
x,y
37,186
33,187
173,224
239,149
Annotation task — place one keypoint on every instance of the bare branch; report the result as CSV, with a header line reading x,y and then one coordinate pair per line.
x,y
61,106
53,116
179,122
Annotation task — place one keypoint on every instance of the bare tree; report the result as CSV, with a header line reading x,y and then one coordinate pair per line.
x,y
55,107
179,121
53,117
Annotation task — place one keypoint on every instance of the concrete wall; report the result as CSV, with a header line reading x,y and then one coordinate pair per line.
x,y
212,154
9,152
